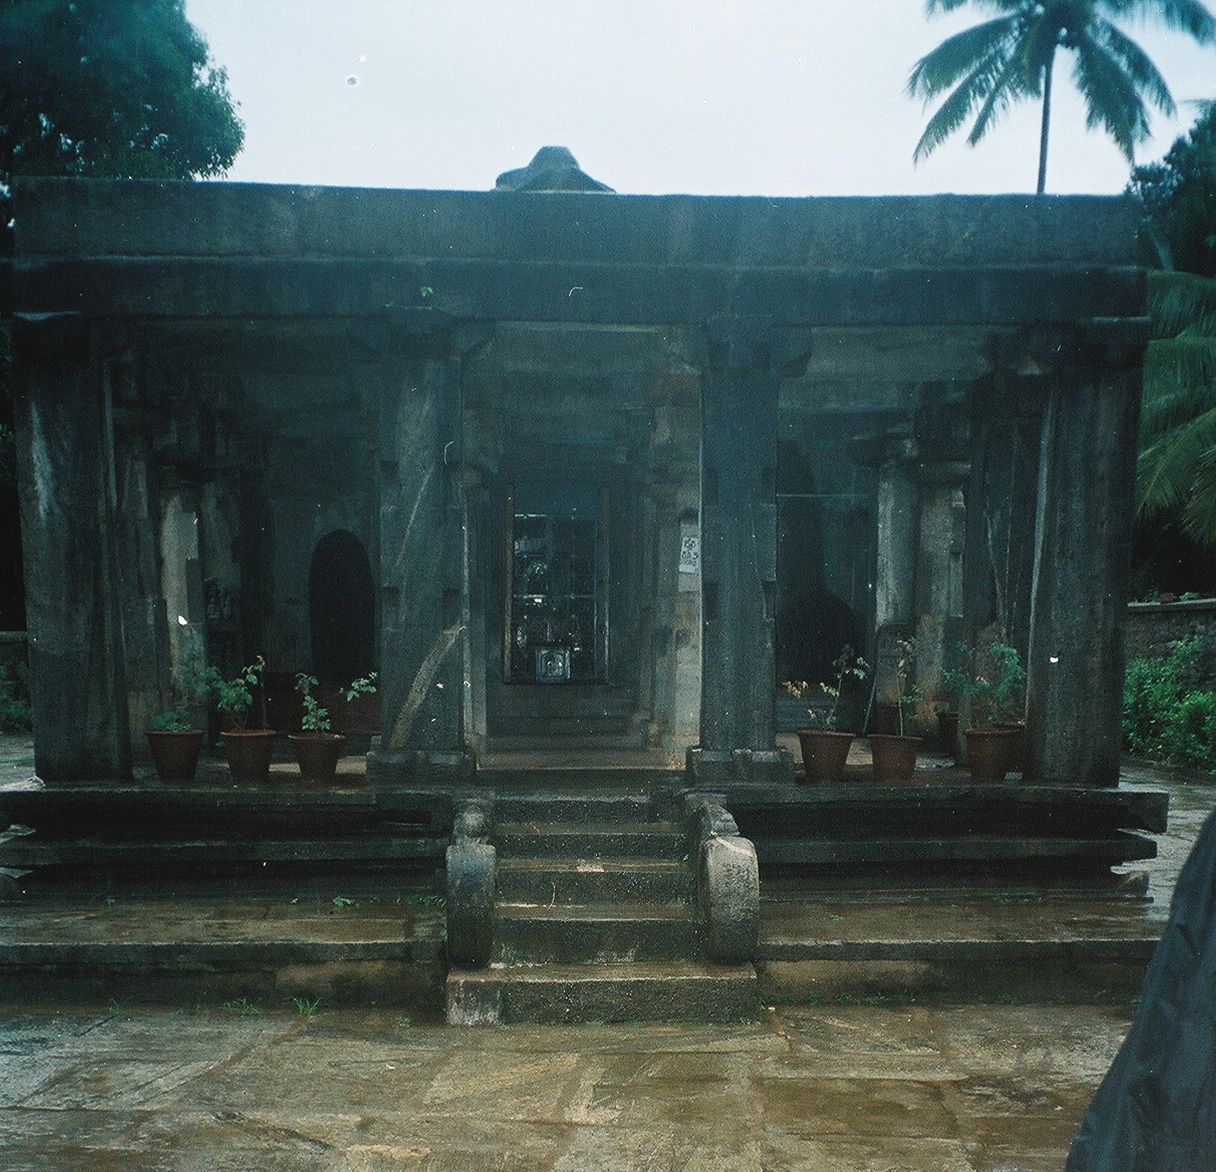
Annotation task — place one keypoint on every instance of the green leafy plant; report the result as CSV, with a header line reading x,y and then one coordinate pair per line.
x,y
848,665
234,697
242,1008
1167,715
306,1008
189,689
992,682
906,695
16,715
340,902
316,717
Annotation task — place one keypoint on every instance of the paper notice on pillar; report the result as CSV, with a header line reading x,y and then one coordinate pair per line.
x,y
690,552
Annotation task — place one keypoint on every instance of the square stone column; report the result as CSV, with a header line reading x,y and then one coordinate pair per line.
x,y
421,573
1079,591
738,557
65,462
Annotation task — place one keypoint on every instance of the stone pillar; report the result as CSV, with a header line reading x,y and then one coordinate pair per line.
x,y
1002,501
1082,555
421,568
738,557
939,571
895,577
65,463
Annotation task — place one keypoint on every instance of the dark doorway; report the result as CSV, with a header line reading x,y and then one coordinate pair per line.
x,y
556,604
341,609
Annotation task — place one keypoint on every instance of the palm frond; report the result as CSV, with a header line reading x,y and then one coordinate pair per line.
x,y
1184,16
1007,88
974,90
1180,301
1199,517
932,6
1179,384
1166,470
1111,98
1137,65
960,56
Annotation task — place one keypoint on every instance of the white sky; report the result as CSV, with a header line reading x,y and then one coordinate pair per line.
x,y
727,97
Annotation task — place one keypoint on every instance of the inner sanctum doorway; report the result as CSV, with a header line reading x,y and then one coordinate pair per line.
x,y
556,602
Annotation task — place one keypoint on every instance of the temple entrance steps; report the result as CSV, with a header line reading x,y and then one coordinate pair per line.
x,y
595,917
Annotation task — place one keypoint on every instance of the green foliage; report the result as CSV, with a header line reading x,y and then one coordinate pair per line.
x,y
189,689
906,695
111,88
316,718
235,696
16,715
1167,716
985,69
848,665
1178,196
306,1008
992,682
242,1008
1176,465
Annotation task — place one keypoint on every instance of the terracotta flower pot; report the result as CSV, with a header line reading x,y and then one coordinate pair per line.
x,y
988,751
894,758
824,753
249,752
175,754
317,754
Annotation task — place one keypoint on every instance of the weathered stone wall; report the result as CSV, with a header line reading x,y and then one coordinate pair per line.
x,y
1153,626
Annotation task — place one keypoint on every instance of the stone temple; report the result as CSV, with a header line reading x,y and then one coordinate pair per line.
x,y
570,467
582,476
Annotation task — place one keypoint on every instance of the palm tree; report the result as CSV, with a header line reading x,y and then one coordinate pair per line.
x,y
1011,57
1176,469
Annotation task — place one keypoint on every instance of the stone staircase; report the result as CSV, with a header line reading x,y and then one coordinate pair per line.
x,y
595,907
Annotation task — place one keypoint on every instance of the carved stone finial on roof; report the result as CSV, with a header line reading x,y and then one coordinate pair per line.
x,y
553,168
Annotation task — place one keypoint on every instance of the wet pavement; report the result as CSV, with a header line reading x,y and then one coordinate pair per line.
x,y
995,1087
974,1089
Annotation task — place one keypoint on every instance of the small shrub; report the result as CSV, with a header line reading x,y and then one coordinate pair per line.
x,y
1167,715
16,716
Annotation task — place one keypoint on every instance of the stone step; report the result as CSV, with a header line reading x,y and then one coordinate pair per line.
x,y
532,934
940,949
891,851
569,994
580,808
560,883
210,950
143,856
555,840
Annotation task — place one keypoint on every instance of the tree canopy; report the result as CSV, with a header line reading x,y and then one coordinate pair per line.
x,y
1011,58
111,88
1176,472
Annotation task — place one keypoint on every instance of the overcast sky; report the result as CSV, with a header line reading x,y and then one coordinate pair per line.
x,y
728,97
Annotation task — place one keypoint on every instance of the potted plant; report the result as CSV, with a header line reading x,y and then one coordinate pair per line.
x,y
992,688
317,749
174,740
825,745
248,750
894,754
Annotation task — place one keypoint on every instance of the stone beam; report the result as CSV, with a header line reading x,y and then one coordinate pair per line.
x,y
74,218
577,292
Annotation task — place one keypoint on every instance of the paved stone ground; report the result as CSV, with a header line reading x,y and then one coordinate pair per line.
x,y
973,1088
968,1089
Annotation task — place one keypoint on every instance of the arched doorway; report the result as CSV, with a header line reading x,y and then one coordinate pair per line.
x,y
341,608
